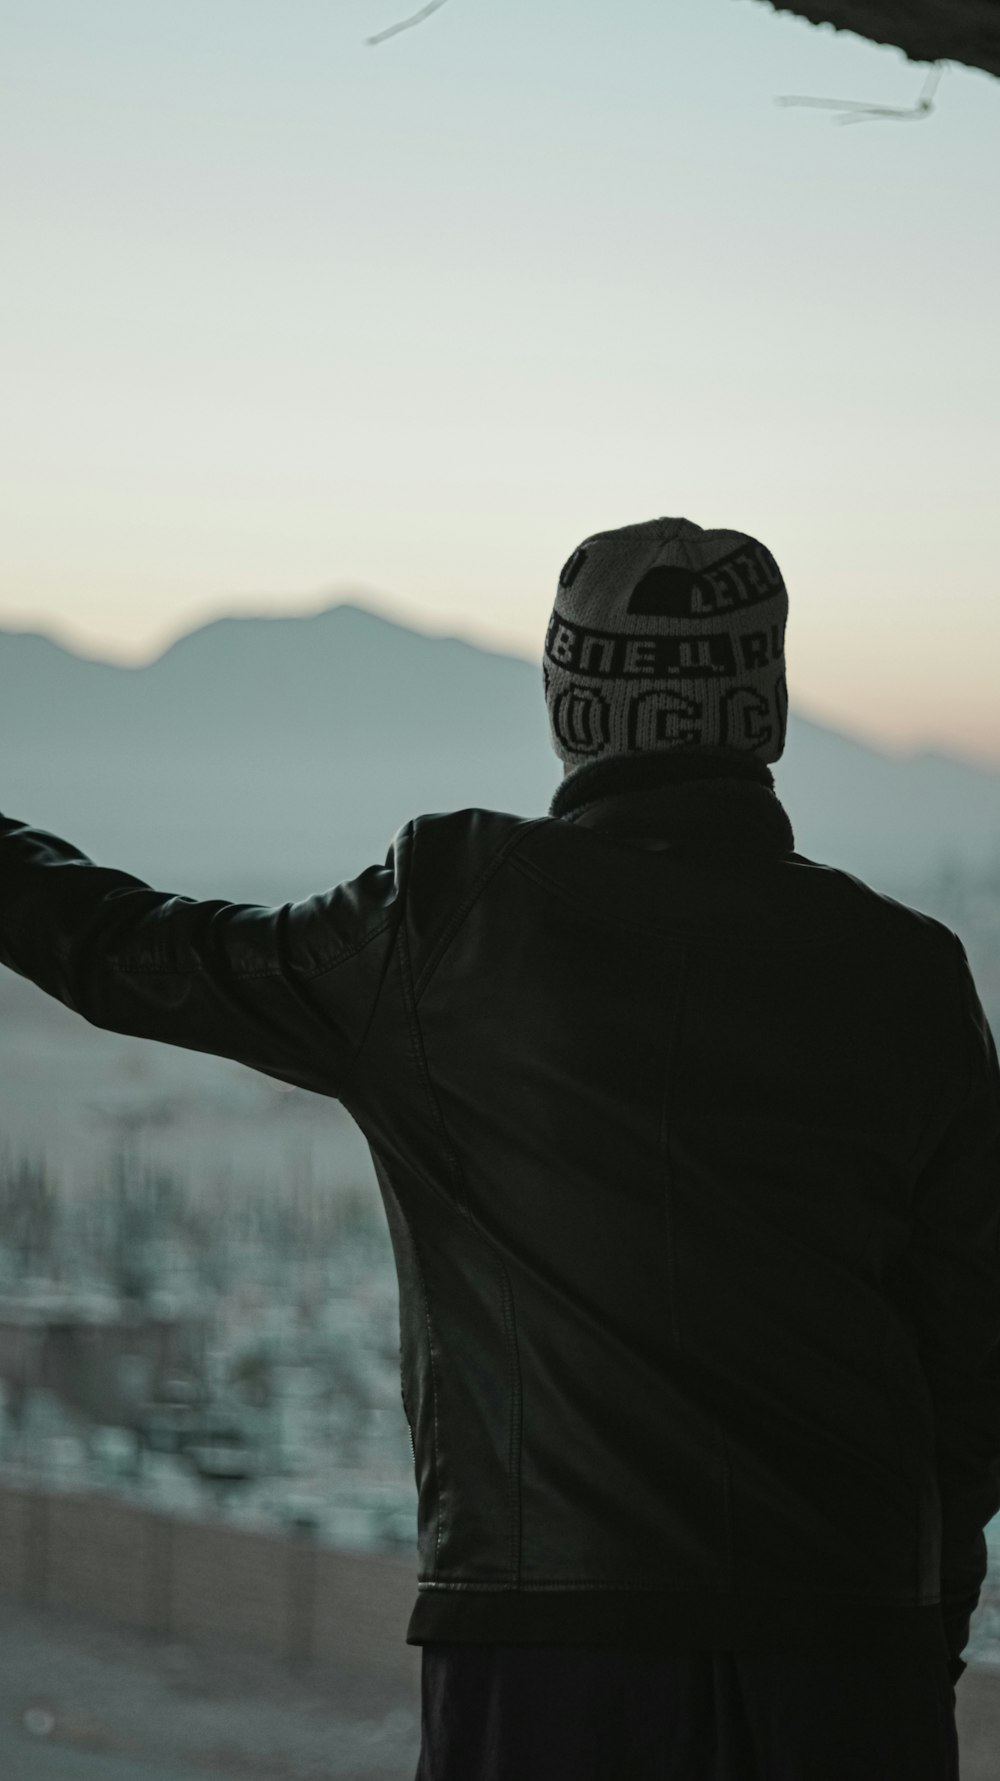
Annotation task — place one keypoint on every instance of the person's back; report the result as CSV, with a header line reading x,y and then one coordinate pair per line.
x,y
725,1133
689,1148
664,1277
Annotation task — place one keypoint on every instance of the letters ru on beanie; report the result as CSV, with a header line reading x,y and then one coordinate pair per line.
x,y
664,635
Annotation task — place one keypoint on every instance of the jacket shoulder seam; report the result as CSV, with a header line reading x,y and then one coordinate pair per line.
x,y
396,919
458,916
531,869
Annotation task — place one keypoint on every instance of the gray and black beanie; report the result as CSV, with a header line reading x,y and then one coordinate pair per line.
x,y
664,635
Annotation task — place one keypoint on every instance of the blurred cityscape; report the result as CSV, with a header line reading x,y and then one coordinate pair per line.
x,y
232,1354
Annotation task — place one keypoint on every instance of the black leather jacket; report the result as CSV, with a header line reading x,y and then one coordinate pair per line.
x,y
689,1148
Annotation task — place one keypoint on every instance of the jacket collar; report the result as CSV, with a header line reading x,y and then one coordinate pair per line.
x,y
718,796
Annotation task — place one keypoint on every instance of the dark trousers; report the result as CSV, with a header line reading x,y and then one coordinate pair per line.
x,y
583,1713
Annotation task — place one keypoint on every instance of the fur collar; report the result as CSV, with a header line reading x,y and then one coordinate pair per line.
x,y
715,795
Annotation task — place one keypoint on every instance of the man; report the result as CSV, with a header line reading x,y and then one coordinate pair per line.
x,y
689,1148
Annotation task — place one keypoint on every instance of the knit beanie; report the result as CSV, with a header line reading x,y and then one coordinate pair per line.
x,y
665,635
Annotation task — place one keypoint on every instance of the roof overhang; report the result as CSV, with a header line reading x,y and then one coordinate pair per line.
x,y
925,30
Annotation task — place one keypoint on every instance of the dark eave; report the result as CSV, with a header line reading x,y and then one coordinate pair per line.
x,y
925,30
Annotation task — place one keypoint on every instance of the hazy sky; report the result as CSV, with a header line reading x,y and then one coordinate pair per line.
x,y
286,319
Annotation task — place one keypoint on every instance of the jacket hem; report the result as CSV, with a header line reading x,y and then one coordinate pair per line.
x,y
669,1620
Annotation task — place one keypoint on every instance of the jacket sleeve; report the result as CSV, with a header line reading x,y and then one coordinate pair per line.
x,y
289,991
953,1293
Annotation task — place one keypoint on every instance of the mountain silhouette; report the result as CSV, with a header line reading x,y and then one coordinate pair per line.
x,y
262,758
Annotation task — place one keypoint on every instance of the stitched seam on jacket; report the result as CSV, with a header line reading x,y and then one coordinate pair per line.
x,y
896,1598
172,969
514,1376
666,1162
530,869
425,1300
479,883
727,1510
513,1429
729,1557
400,918
889,1399
923,1150
423,1071
424,1075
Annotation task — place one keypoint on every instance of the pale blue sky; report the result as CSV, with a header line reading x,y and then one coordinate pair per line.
x,y
285,319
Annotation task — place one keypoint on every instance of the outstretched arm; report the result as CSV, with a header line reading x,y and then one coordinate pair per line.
x,y
289,991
